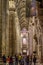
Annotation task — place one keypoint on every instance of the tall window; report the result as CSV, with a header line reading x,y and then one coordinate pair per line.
x,y
28,8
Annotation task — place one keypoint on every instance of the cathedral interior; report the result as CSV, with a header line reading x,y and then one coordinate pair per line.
x,y
21,27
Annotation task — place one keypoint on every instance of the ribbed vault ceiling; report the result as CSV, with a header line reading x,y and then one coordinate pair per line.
x,y
21,9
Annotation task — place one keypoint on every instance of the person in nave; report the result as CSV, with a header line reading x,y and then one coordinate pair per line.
x,y
30,60
16,59
4,59
27,60
8,60
34,60
11,61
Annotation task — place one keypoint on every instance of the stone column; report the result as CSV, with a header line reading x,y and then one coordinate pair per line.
x,y
42,48
10,33
30,37
7,28
3,28
17,27
34,32
0,28
32,29
39,40
14,36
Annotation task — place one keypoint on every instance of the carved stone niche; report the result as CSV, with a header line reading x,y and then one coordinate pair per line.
x,y
11,5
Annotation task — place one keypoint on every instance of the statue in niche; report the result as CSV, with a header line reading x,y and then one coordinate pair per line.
x,y
35,37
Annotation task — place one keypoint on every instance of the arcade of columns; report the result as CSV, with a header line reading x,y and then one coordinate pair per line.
x,y
12,21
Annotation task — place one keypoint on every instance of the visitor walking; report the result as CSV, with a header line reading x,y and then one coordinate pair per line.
x,y
34,60
8,60
27,60
30,60
11,61
20,58
4,59
16,59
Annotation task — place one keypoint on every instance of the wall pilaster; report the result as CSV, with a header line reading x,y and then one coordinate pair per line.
x,y
7,28
3,27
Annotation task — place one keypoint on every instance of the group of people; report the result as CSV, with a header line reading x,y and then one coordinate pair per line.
x,y
19,60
